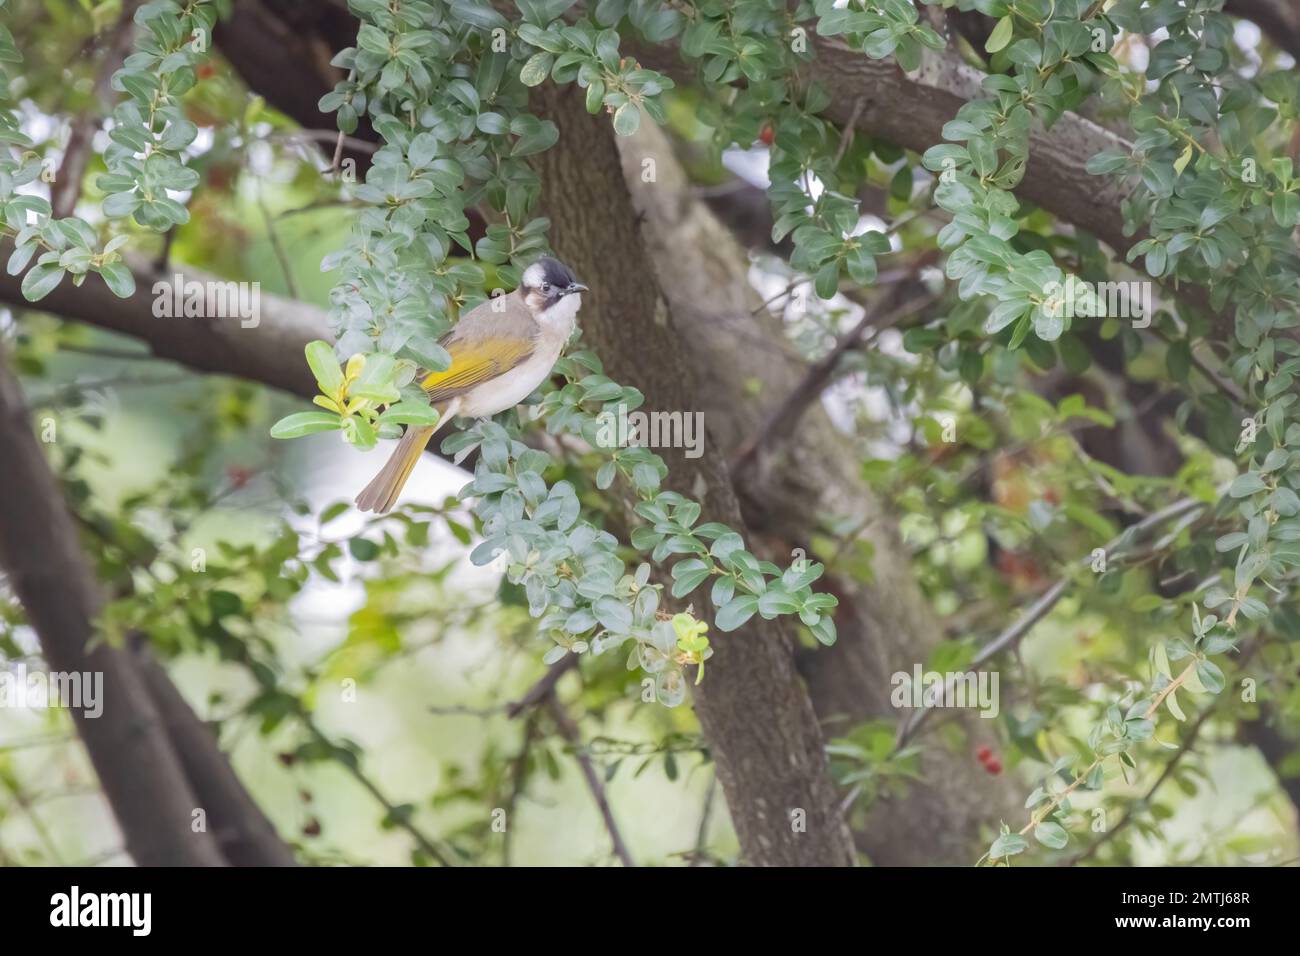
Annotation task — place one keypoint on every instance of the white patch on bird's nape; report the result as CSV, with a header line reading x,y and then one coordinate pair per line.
x,y
534,276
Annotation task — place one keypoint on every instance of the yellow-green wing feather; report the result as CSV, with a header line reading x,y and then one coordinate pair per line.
x,y
474,362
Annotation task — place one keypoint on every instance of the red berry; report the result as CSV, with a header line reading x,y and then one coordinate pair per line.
x,y
238,475
993,766
983,754
767,134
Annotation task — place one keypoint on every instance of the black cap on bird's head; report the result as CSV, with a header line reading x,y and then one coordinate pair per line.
x,y
550,279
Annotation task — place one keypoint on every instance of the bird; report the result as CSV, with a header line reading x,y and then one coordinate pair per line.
x,y
501,351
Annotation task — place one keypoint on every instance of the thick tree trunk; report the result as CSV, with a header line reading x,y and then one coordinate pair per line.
x,y
885,625
753,708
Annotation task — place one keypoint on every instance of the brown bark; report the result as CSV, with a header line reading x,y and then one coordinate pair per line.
x,y
141,775
76,155
1278,19
1266,736
269,352
243,832
754,711
884,625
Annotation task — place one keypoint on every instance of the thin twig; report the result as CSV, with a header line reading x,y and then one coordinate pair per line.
x,y
781,423
280,254
1012,635
1193,731
123,355
48,740
544,687
793,284
398,819
328,136
338,154
706,816
568,729
846,135
76,156
518,780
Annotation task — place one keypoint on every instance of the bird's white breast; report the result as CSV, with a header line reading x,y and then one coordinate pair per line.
x,y
508,390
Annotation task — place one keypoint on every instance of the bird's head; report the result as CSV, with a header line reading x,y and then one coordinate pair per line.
x,y
549,289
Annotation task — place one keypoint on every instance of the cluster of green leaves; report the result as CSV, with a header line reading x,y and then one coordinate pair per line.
x,y
580,53
1231,213
66,246
573,575
868,762
1222,214
750,54
446,86
150,130
742,584
1121,729
1046,59
363,400
575,581
888,28
1049,72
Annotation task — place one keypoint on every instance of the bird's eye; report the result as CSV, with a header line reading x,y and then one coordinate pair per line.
x,y
546,288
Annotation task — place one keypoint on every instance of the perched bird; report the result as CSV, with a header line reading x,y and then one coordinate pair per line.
x,y
501,351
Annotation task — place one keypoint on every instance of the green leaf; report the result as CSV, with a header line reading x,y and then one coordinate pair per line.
x,y
1001,35
613,614
119,279
1245,485
305,423
534,72
1286,209
363,549
1008,844
1210,675
494,124
688,575
627,119
376,379
736,612
320,356
824,630
416,413
41,281
1051,834
1171,701
775,602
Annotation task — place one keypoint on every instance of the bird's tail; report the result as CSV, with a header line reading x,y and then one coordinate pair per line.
x,y
381,494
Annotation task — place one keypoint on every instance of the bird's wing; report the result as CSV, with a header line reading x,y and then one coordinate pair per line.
x,y
483,345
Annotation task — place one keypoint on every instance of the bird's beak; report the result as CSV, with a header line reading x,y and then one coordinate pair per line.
x,y
575,287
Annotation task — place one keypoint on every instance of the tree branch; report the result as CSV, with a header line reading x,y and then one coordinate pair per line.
x,y
141,775
1279,20
781,423
1013,634
753,709
76,155
568,729
244,833
270,352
